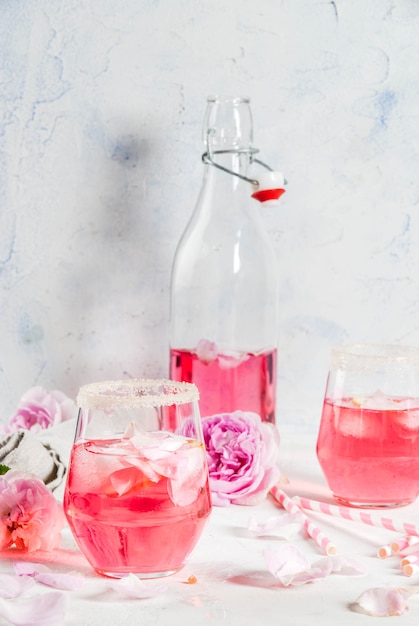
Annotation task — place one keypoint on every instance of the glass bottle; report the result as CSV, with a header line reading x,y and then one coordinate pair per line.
x,y
223,321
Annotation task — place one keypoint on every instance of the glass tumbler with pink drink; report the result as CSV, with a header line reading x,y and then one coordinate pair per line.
x,y
368,441
137,494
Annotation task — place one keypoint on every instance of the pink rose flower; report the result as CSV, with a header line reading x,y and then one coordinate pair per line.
x,y
242,453
39,409
30,516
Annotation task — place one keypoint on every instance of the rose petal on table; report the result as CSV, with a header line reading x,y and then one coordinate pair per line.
x,y
285,526
291,567
66,582
12,586
47,609
43,575
383,601
339,564
301,578
133,587
286,560
23,568
324,567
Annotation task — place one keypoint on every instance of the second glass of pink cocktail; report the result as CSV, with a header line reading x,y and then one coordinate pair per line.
x,y
368,442
137,494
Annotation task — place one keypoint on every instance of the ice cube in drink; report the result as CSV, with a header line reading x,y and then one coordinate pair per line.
x,y
367,451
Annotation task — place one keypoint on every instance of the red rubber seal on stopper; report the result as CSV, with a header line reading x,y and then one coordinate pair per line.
x,y
263,195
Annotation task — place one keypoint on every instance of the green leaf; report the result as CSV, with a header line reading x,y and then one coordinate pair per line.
x,y
3,469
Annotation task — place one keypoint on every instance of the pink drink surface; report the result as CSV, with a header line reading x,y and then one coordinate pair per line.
x,y
129,521
371,455
227,384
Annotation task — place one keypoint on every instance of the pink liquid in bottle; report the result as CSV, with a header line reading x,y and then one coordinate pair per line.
x,y
230,383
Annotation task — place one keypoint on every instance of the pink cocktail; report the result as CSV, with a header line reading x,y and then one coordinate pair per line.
x,y
368,440
137,501
371,455
127,514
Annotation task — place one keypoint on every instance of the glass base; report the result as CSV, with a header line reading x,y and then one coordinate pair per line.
x,y
371,505
141,575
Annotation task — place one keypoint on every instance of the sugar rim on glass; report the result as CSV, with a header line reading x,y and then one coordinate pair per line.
x,y
365,356
132,393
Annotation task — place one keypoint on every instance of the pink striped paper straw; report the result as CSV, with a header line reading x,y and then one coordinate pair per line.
x,y
384,552
411,547
313,531
410,558
404,546
410,569
399,546
358,515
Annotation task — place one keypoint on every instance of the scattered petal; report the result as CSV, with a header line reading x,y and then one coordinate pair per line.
x,y
43,575
133,587
383,601
286,561
66,582
302,578
23,568
47,609
285,526
289,565
12,586
344,566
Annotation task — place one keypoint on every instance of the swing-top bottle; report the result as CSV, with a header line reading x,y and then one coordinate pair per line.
x,y
224,315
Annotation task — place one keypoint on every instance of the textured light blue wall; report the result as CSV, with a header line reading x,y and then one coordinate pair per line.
x,y
101,105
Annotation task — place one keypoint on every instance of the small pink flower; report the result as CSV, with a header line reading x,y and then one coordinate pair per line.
x,y
242,453
30,516
39,409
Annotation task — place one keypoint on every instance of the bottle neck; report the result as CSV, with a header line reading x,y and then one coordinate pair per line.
x,y
228,138
233,161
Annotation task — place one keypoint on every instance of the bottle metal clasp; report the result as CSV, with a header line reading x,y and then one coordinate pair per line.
x,y
269,185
